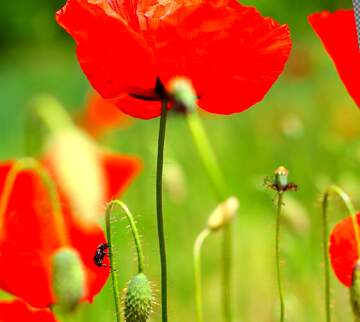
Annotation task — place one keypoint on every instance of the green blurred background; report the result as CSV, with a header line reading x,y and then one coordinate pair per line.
x,y
307,123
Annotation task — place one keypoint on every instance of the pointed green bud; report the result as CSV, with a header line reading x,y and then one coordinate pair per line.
x,y
183,93
223,214
68,278
138,299
355,290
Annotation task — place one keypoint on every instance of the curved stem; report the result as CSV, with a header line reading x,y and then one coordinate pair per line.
x,y
134,230
32,164
351,210
197,271
214,172
277,248
159,209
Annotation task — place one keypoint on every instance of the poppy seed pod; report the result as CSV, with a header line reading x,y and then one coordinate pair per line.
x,y
68,278
183,93
281,177
223,214
138,299
355,290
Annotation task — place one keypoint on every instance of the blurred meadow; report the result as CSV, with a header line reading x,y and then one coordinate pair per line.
x,y
307,122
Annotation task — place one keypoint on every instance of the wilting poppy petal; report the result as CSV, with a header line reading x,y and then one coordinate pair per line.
x,y
230,52
343,250
17,310
100,116
29,236
337,32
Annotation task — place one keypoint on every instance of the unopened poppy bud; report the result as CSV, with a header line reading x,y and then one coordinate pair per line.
x,y
281,177
68,278
355,290
138,299
183,93
223,214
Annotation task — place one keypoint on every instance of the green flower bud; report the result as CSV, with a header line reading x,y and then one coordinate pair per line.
x,y
223,214
68,278
183,93
138,299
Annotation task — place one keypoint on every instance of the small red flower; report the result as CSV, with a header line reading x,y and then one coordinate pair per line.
x,y
17,310
129,49
337,32
100,116
343,250
30,232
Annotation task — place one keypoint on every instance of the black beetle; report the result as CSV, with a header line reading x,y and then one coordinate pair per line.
x,y
100,253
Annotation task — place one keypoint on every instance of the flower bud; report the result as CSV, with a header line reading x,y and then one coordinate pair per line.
x,y
223,214
138,299
281,177
355,290
68,278
183,93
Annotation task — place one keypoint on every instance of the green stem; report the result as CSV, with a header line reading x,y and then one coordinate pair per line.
x,y
159,209
134,231
277,250
197,270
351,210
213,170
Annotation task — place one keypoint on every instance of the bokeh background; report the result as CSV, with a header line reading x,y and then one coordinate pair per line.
x,y
307,123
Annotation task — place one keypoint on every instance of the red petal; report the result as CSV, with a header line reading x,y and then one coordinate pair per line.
x,y
231,53
113,56
17,310
100,115
28,238
337,32
343,250
119,171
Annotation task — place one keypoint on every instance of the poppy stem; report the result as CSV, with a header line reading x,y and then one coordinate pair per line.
x,y
213,170
115,282
351,210
197,270
159,208
277,251
134,230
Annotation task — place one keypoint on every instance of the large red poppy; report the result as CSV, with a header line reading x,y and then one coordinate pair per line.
x,y
343,250
337,32
17,310
30,233
128,49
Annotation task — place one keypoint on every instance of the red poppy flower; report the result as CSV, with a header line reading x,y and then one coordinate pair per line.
x,y
129,49
100,116
337,32
17,310
343,250
30,232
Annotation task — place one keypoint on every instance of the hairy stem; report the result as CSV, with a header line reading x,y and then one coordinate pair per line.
x,y
277,250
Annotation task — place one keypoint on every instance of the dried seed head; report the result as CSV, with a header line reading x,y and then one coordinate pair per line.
x,y
138,299
355,290
223,214
68,278
281,177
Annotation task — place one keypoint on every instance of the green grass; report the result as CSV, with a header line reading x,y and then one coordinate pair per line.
x,y
307,123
